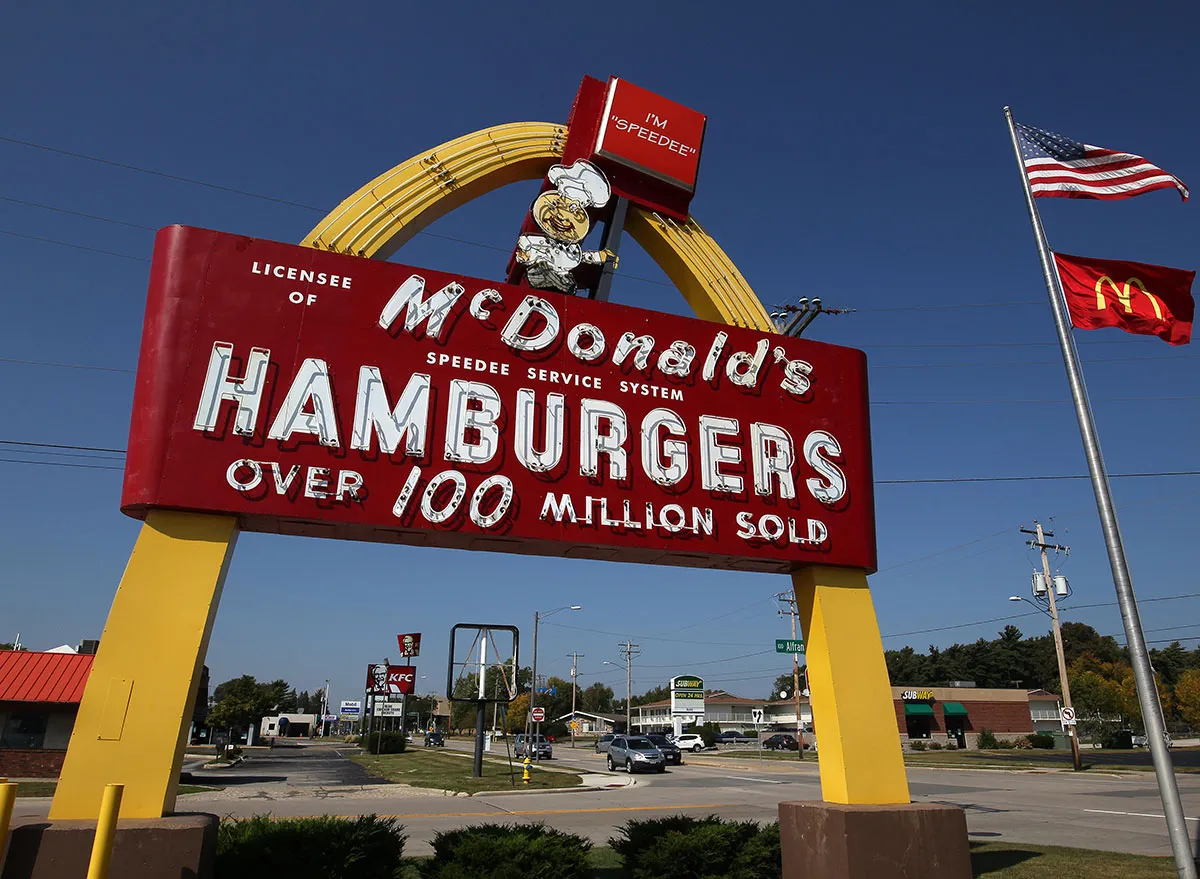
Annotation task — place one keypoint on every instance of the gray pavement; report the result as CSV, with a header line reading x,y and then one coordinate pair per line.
x,y
1103,810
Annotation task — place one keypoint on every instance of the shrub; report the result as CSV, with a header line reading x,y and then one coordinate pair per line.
x,y
751,733
384,743
712,849
523,851
917,745
936,746
708,732
986,740
1040,740
1004,744
367,847
1022,744
638,835
1121,739
951,746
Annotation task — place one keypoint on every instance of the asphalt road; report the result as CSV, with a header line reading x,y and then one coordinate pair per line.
x,y
1103,810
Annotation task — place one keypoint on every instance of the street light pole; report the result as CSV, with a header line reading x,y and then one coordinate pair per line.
x,y
574,674
537,618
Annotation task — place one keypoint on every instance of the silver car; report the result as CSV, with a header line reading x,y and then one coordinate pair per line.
x,y
636,754
538,747
603,742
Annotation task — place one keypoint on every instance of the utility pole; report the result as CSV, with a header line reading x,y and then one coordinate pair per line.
x,y
574,671
1041,544
789,598
628,651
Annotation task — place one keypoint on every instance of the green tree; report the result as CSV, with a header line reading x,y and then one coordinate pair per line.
x,y
242,702
596,698
514,718
783,684
1187,696
655,695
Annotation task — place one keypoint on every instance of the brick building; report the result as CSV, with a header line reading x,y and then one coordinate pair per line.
x,y
39,698
957,714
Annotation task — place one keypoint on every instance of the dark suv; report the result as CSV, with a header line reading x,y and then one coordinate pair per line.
x,y
668,748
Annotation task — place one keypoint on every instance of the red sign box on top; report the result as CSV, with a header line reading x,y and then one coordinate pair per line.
x,y
647,132
313,393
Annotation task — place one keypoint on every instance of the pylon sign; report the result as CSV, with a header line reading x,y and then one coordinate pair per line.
x,y
321,394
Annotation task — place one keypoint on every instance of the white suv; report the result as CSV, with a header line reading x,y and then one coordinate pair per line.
x,y
689,742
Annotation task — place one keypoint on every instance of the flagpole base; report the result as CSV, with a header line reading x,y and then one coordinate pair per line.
x,y
837,841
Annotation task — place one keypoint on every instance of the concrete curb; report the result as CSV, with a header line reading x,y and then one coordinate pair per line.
x,y
628,782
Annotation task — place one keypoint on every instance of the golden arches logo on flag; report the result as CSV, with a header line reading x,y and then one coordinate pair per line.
x,y
1124,295
1152,300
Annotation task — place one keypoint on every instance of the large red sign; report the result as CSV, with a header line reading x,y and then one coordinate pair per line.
x,y
650,133
391,680
313,393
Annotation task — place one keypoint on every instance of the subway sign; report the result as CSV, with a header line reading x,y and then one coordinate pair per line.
x,y
312,393
687,695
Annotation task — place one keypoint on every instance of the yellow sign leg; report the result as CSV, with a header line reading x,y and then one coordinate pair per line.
x,y
861,762
133,720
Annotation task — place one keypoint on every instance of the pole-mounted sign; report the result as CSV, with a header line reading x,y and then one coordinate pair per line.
x,y
1068,716
786,645
539,714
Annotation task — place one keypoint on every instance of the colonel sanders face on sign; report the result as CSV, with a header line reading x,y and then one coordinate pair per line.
x,y
379,675
408,644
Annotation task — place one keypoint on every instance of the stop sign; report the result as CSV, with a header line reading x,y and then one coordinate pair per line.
x,y
539,714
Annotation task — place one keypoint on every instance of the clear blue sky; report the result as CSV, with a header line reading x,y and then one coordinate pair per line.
x,y
857,154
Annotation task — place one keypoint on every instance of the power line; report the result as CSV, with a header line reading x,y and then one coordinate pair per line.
x,y
69,212
73,246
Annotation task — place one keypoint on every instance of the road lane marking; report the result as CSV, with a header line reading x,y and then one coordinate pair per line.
x,y
1132,814
759,780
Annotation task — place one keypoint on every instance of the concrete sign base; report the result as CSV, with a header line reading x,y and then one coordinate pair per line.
x,y
182,845
837,841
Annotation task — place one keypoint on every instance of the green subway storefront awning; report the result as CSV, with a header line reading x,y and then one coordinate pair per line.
x,y
954,709
918,709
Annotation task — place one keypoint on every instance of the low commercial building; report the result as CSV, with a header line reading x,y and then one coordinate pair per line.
x,y
591,723
1044,708
290,726
39,698
727,711
957,714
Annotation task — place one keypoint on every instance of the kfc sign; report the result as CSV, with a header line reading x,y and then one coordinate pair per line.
x,y
410,645
647,132
391,680
312,393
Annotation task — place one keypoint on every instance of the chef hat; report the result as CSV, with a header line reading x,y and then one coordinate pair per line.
x,y
582,181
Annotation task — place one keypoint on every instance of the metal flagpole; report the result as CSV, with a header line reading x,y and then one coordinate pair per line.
x,y
1143,675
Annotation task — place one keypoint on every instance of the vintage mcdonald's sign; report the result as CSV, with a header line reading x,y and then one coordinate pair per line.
x,y
1136,297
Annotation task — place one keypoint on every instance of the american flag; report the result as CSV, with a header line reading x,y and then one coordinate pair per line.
x,y
1060,167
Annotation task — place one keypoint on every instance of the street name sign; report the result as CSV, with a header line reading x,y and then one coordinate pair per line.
x,y
788,646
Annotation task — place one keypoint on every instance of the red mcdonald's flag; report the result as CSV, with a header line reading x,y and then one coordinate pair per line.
x,y
1133,296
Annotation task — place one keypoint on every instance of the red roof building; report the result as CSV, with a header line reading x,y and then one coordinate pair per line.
x,y
43,677
39,698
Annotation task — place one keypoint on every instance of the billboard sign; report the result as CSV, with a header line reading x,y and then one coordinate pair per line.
x,y
391,680
410,644
389,709
351,708
312,393
687,695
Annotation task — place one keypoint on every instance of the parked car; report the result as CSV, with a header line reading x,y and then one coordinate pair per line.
x,y
669,749
434,739
1140,741
733,738
781,742
538,746
603,742
690,742
636,754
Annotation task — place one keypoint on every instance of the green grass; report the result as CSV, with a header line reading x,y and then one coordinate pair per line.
x,y
36,788
1016,860
421,768
1026,759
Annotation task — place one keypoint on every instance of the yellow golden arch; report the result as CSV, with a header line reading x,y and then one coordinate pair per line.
x,y
135,715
